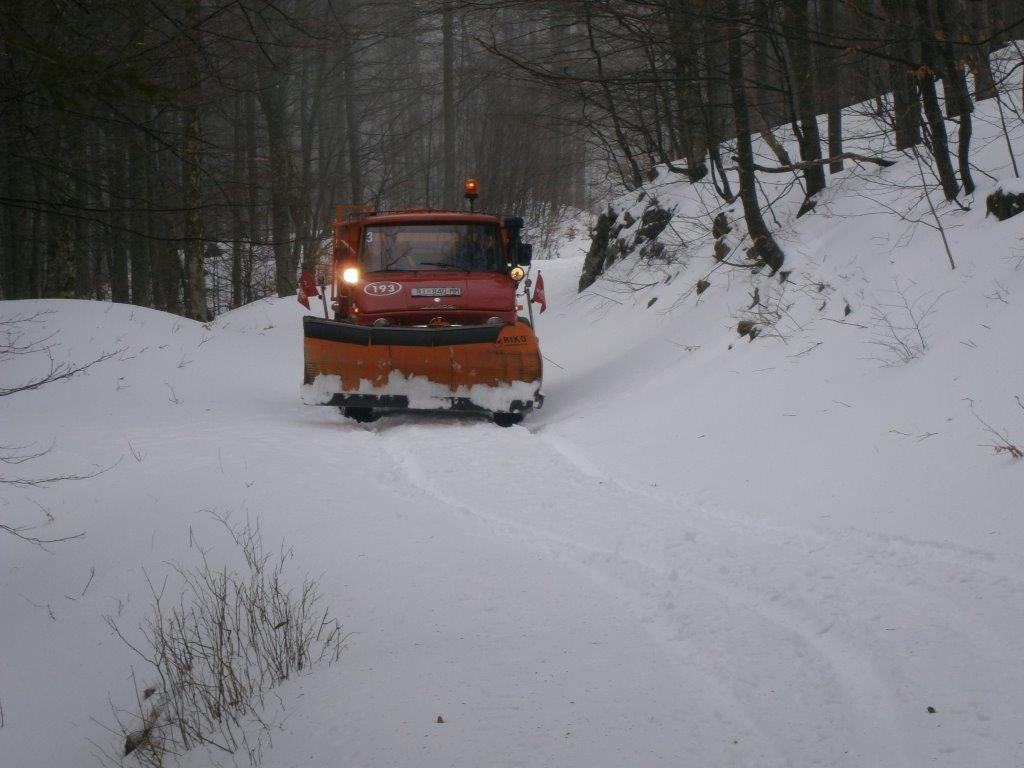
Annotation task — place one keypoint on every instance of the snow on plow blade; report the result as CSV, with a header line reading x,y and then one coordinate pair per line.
x,y
495,368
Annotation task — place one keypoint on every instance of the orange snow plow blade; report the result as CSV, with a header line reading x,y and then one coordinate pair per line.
x,y
491,368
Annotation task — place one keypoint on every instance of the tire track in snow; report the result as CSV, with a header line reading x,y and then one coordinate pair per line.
x,y
652,592
938,582
889,551
938,551
720,706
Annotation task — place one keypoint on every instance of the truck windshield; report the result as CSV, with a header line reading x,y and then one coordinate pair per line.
x,y
467,247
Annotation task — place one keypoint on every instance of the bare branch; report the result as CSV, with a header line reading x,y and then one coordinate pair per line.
x,y
19,532
57,372
804,165
43,482
1002,444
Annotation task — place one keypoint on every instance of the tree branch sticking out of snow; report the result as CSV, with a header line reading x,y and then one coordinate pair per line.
x,y
931,207
215,651
12,455
13,344
900,327
1002,442
22,532
57,372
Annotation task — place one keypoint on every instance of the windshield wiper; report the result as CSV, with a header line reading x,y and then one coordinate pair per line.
x,y
446,265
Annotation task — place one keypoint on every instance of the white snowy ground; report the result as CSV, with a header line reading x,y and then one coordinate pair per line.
x,y
702,552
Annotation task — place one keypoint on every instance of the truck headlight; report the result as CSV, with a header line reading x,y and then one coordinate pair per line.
x,y
350,275
517,273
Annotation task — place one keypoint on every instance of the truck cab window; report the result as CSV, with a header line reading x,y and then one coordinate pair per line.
x,y
419,247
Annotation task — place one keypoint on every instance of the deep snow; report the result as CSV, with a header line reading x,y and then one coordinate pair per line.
x,y
702,551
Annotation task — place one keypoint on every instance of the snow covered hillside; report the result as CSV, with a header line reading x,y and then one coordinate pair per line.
x,y
799,550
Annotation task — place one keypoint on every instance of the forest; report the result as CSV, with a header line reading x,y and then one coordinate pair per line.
x,y
187,155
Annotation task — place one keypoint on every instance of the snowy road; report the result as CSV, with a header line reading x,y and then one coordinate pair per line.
x,y
804,648
583,590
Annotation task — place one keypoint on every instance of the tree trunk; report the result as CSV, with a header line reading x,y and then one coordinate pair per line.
x,y
958,97
119,290
906,106
16,262
762,127
164,249
142,280
964,153
60,277
252,197
980,20
937,134
274,85
237,174
830,74
797,39
984,82
84,272
929,97
717,95
192,166
635,177
352,123
689,118
764,247
449,193
36,273
280,184
903,45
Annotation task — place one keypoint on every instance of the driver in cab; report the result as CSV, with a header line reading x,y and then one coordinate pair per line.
x,y
477,253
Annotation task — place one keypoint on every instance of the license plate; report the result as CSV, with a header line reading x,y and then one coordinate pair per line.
x,y
445,291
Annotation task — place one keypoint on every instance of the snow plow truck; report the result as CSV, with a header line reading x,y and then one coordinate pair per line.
x,y
425,316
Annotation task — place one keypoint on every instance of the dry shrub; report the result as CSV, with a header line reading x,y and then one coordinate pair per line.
x,y
217,649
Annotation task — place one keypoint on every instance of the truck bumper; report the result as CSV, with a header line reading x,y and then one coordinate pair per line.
x,y
485,368
402,403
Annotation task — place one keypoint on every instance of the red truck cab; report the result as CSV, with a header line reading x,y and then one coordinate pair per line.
x,y
426,268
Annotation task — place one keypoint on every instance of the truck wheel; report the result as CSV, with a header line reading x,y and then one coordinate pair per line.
x,y
506,419
362,415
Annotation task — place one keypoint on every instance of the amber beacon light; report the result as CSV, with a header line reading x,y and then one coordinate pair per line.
x,y
472,190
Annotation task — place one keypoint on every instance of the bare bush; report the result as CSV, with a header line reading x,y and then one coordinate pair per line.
x,y
217,650
1002,443
900,326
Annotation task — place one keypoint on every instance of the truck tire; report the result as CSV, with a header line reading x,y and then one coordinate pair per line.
x,y
362,415
506,419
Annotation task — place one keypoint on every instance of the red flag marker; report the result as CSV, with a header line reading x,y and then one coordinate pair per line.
x,y
538,293
307,289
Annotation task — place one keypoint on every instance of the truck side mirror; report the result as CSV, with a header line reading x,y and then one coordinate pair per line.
x,y
514,225
524,254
